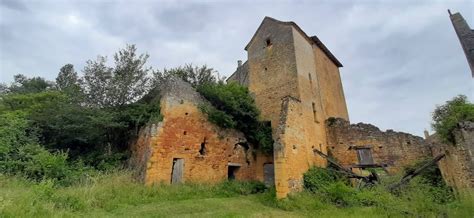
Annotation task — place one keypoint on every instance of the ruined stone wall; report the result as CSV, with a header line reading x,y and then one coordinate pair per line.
x,y
457,167
290,152
183,133
241,75
395,149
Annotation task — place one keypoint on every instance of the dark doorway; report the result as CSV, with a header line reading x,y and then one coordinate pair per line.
x,y
268,174
231,171
365,156
177,171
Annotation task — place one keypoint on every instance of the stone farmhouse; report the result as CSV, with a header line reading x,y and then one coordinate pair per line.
x,y
295,81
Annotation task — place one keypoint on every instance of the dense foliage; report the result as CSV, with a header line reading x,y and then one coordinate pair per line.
x,y
432,179
233,107
426,191
446,117
54,130
194,75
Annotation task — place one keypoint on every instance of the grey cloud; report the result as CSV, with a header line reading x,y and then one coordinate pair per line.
x,y
14,5
400,58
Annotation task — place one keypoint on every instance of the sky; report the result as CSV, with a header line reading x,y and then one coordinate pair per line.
x,y
401,58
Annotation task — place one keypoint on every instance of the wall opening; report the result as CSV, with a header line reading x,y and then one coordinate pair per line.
x,y
202,150
310,80
232,171
268,42
177,171
365,156
315,117
269,174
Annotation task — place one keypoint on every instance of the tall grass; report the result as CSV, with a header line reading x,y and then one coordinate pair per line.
x,y
117,194
104,192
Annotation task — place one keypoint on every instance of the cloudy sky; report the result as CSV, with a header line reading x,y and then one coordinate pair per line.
x,y
400,58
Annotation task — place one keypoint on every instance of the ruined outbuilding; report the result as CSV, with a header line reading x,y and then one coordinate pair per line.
x,y
457,167
186,147
296,84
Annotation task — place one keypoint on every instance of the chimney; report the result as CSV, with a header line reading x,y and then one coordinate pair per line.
x,y
239,63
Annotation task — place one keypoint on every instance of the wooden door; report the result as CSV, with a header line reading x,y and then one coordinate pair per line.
x,y
177,171
268,174
365,156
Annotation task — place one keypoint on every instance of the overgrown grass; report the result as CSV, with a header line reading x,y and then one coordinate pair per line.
x,y
116,194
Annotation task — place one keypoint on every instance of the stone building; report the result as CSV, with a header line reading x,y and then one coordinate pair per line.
x,y
185,147
296,84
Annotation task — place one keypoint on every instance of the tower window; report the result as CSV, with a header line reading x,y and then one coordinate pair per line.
x,y
310,79
268,42
314,112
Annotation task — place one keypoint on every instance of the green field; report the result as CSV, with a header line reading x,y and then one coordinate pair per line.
x,y
117,195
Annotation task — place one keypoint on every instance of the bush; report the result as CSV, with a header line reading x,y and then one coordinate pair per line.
x,y
432,183
318,179
446,117
21,154
233,107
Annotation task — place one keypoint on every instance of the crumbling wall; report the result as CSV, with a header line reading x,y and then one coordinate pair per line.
x,y
457,168
141,150
208,152
396,150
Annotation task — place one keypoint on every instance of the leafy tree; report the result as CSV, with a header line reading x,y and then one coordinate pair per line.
x,y
446,117
67,79
97,82
194,75
126,83
3,88
22,84
130,79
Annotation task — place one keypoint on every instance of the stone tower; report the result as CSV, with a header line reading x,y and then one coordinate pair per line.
x,y
296,84
466,37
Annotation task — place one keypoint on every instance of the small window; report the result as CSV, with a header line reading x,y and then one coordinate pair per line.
x,y
314,112
365,156
268,42
310,80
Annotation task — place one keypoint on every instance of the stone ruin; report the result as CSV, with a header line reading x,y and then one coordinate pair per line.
x,y
296,84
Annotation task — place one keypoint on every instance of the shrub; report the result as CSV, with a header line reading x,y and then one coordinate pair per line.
x,y
318,179
446,117
431,182
233,107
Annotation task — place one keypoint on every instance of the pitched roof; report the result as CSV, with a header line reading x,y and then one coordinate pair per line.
x,y
312,39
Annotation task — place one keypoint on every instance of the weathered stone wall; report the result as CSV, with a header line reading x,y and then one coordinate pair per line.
x,y
457,167
292,158
395,149
183,133
272,69
330,86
